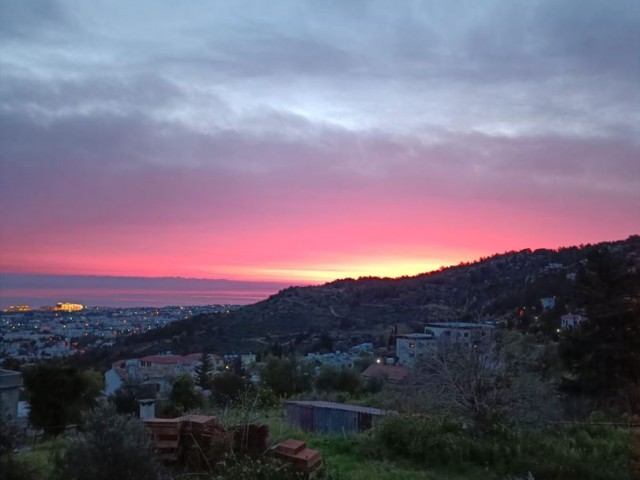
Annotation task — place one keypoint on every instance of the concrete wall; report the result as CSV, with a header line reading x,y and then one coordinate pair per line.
x,y
10,383
415,347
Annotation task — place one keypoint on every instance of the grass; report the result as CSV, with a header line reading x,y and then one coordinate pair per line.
x,y
585,452
347,457
38,460
436,452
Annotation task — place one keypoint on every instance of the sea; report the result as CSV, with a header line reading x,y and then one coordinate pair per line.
x,y
37,290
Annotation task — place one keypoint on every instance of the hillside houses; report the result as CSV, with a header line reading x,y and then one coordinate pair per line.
x,y
158,370
571,320
333,359
548,303
414,347
160,366
441,336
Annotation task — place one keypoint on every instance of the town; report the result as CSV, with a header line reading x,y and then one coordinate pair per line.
x,y
69,329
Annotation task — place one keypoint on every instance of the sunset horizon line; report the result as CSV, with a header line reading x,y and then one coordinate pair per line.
x,y
300,281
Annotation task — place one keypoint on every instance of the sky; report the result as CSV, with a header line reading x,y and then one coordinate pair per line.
x,y
300,142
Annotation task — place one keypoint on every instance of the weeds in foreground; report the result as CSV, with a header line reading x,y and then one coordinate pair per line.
x,y
588,453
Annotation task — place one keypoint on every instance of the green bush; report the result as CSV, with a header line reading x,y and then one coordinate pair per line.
x,y
594,452
112,447
183,396
287,376
588,453
338,379
13,468
228,388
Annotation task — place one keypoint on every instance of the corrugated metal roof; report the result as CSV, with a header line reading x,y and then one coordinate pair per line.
x,y
338,406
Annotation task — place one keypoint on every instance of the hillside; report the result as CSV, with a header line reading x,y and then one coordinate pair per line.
x,y
491,288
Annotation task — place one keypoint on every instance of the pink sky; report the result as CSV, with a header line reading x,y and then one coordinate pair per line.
x,y
307,142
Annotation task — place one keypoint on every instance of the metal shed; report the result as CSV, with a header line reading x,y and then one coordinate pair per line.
x,y
328,417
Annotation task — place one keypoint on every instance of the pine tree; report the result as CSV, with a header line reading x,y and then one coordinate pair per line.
x,y
603,355
202,371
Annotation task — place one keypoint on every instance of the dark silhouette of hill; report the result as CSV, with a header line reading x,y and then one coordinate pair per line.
x,y
492,288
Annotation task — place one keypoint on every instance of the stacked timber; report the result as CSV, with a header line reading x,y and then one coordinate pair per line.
x,y
203,441
200,441
297,454
165,437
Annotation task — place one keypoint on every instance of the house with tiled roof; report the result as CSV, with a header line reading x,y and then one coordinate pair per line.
x,y
160,369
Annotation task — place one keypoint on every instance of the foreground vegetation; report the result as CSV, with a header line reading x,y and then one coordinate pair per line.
x,y
399,447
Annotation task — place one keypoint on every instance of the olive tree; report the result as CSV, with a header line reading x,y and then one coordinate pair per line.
x,y
111,447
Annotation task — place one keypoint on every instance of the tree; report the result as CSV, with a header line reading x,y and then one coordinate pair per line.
x,y
183,396
287,376
227,388
58,396
237,367
203,371
338,379
111,447
487,390
94,386
124,400
603,354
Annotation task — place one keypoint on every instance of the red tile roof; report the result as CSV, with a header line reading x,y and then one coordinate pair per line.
x,y
168,359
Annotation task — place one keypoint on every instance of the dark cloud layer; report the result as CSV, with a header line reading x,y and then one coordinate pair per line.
x,y
120,114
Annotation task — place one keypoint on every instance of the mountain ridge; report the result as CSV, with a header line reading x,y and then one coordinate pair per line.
x,y
491,288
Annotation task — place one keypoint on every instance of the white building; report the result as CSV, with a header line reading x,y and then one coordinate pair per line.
x,y
571,320
548,302
334,359
112,381
413,347
470,336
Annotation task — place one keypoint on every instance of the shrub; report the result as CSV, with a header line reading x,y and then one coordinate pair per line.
x,y
112,447
588,453
228,388
13,468
59,395
338,379
287,376
183,396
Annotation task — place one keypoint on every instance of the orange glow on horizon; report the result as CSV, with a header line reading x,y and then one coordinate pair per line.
x,y
321,273
298,273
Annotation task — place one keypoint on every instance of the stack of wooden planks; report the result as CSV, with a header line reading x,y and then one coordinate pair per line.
x,y
296,453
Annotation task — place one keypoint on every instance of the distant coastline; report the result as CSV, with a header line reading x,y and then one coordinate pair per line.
x,y
38,290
